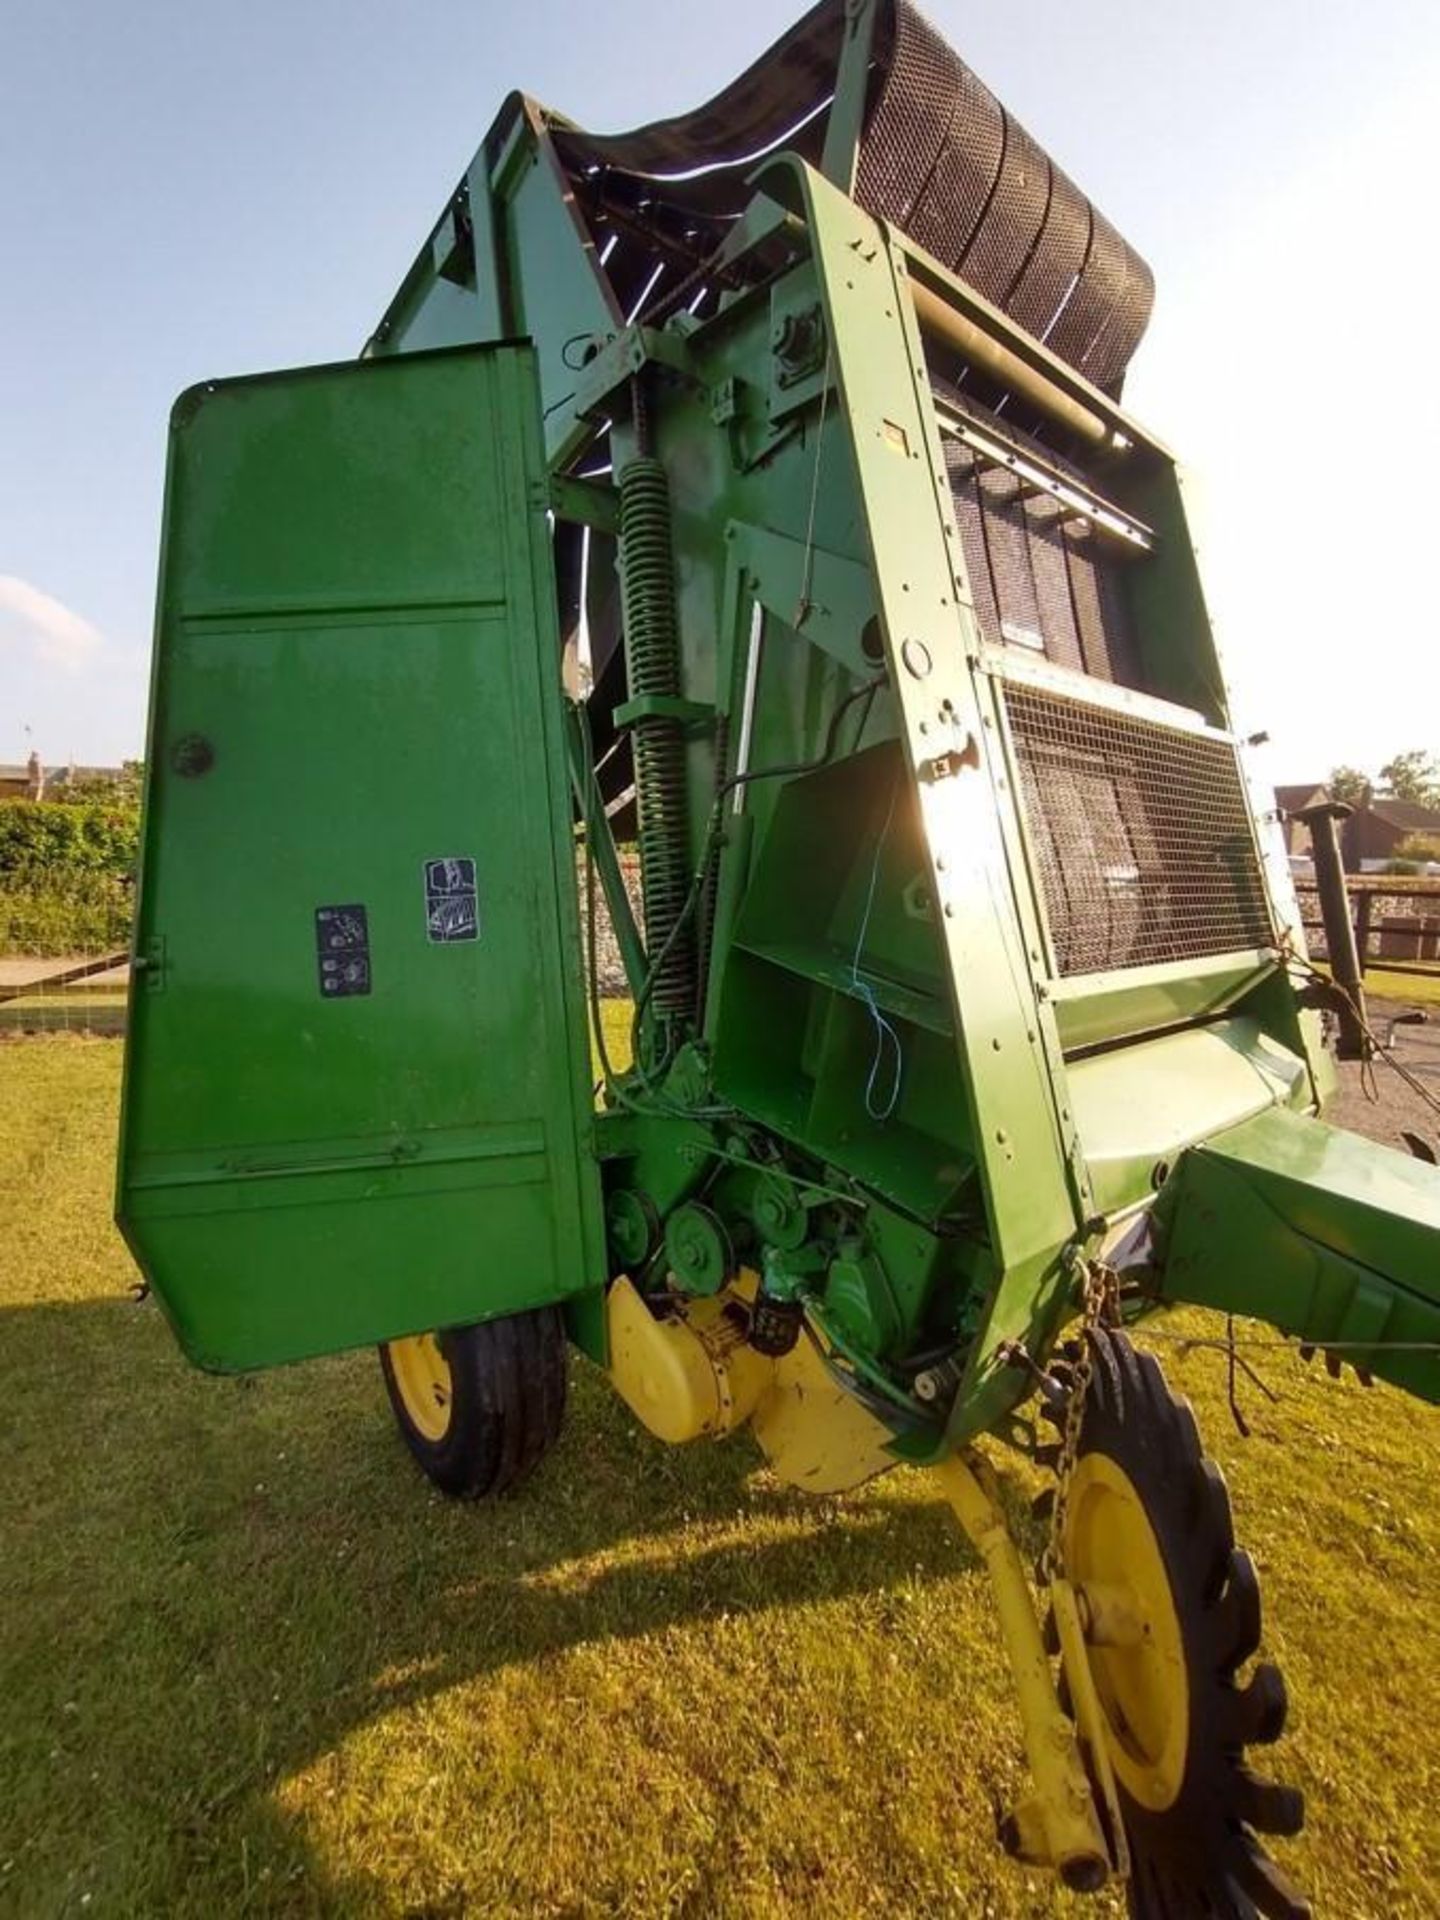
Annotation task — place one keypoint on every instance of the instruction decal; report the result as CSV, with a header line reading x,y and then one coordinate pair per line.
x,y
452,911
342,947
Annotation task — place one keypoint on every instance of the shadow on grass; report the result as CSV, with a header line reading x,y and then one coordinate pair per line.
x,y
207,1584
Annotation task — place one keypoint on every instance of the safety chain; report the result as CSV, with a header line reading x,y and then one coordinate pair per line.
x,y
1099,1294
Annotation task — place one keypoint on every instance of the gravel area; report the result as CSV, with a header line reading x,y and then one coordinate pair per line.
x,y
1394,1105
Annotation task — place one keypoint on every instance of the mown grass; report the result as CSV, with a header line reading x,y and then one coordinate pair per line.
x,y
1423,990
249,1663
68,1011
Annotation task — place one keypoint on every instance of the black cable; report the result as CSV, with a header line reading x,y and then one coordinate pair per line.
x,y
1417,1086
866,689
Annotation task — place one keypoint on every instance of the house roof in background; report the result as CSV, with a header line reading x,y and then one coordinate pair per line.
x,y
1290,799
13,771
1409,814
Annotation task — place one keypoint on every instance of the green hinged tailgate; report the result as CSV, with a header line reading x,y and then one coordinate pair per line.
x,y
357,1098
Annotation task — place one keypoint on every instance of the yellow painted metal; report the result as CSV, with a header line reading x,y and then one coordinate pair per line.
x,y
422,1378
689,1374
1060,1827
814,1434
1109,1618
1090,1717
1110,1548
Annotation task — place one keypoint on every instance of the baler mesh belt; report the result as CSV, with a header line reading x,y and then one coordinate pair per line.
x,y
1039,578
940,158
945,161
1140,834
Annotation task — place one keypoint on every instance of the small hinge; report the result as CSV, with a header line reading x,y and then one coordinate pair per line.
x,y
149,963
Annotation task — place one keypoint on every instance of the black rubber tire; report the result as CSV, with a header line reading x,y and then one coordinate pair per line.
x,y
1201,1859
507,1404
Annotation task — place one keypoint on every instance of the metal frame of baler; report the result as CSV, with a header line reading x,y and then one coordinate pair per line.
x,y
1015,1016
885,300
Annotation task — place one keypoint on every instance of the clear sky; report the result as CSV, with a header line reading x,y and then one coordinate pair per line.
x,y
191,189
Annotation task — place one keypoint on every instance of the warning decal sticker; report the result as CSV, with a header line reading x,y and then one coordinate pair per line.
x,y
342,946
451,909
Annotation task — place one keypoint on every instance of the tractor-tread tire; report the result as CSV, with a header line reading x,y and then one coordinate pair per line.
x,y
1197,1859
507,1404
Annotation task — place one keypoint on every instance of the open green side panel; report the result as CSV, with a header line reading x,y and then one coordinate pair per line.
x,y
357,1099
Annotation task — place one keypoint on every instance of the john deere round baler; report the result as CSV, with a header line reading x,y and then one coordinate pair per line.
x,y
755,485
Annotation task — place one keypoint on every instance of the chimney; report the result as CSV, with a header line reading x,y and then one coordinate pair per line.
x,y
35,773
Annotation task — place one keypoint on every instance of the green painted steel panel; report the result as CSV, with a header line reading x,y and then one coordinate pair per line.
x,y
557,286
1031,1171
1331,1237
357,1098
1137,1108
1092,1009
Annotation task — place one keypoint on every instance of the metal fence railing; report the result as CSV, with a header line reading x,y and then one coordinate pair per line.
x,y
82,993
1396,920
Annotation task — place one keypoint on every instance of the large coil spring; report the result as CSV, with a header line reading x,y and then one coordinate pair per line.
x,y
652,658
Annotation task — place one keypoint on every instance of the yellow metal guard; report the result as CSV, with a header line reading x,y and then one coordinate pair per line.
x,y
1060,1826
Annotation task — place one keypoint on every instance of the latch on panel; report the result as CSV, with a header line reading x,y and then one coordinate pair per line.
x,y
149,963
944,766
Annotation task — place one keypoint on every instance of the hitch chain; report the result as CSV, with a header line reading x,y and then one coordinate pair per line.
x,y
1099,1293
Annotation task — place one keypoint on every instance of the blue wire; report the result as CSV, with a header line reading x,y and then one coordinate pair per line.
x,y
883,1030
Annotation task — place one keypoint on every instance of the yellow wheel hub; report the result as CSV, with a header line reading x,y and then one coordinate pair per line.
x,y
1136,1649
422,1377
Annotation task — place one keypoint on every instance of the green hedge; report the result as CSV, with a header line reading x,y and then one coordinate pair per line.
x,y
54,838
65,874
70,914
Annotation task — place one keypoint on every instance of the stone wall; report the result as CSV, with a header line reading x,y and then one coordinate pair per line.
x,y
1404,924
613,983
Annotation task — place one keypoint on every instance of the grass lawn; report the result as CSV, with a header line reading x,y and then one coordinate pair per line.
x,y
249,1663
1421,990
